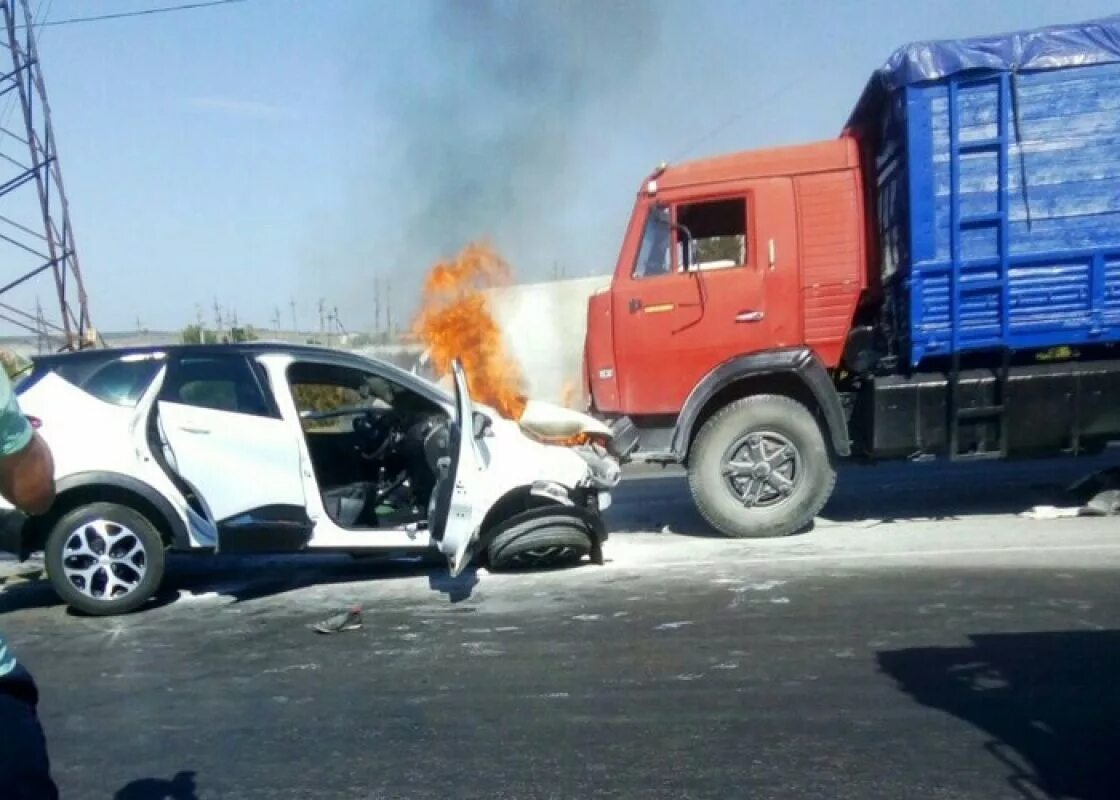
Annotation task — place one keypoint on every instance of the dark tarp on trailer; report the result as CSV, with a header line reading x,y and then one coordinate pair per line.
x,y
1053,47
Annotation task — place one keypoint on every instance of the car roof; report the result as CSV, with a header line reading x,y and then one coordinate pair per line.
x,y
245,348
253,349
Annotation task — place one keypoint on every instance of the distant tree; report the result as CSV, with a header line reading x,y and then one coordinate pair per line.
x,y
246,334
196,334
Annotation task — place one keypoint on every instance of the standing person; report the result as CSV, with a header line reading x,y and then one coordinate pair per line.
x,y
27,482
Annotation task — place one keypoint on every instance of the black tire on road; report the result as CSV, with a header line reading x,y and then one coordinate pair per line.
x,y
771,420
547,543
87,521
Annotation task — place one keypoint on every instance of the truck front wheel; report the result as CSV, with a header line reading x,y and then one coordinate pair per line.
x,y
760,467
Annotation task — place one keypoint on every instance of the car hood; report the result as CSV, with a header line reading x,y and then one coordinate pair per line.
x,y
550,421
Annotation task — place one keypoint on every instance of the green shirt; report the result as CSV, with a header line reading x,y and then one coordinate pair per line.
x,y
15,430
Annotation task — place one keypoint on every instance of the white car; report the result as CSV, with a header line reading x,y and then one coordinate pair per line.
x,y
265,448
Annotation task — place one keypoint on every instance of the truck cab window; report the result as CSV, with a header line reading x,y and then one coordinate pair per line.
x,y
653,254
719,234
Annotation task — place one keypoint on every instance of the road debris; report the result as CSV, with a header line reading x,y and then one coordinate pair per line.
x,y
1095,495
348,620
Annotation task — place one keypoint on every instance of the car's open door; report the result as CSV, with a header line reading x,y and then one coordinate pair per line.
x,y
240,458
456,511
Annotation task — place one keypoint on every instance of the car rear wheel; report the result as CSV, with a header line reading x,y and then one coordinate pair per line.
x,y
104,559
547,543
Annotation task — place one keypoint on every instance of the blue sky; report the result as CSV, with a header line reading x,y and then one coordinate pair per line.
x,y
295,149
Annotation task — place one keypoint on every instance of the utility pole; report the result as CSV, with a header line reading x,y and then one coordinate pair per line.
x,y
322,318
217,315
276,319
292,306
376,306
40,325
389,309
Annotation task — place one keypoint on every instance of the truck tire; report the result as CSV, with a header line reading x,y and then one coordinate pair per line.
x,y
548,543
104,559
760,467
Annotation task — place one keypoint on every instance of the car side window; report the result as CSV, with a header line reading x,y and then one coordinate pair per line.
x,y
328,396
123,381
220,383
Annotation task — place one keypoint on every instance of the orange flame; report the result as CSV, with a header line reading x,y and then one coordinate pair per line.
x,y
455,322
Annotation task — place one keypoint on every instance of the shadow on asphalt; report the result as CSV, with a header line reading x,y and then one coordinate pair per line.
x,y
647,501
661,501
457,589
1048,701
180,787
245,578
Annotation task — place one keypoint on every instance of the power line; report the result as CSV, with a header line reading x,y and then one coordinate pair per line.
x,y
727,122
141,13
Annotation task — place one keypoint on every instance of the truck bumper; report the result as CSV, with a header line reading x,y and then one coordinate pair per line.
x,y
625,441
12,539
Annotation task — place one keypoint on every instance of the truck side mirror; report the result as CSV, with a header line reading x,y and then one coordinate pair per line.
x,y
690,246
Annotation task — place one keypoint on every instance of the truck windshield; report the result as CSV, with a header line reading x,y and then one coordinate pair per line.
x,y
653,254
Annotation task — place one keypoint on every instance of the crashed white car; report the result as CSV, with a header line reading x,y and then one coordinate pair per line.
x,y
264,448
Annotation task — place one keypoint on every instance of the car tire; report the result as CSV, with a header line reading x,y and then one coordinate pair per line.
x,y
738,482
550,542
98,582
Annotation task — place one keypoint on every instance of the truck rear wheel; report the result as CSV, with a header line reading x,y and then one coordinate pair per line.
x,y
760,467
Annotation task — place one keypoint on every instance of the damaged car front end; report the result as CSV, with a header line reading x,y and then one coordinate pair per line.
x,y
525,493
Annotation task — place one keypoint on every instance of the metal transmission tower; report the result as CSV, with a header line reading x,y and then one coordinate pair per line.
x,y
35,232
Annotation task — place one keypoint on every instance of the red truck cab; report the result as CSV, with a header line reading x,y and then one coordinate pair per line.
x,y
777,260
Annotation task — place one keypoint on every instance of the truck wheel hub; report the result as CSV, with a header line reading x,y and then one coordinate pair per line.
x,y
762,468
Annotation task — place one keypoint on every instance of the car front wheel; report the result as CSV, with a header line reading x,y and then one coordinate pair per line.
x,y
104,559
549,542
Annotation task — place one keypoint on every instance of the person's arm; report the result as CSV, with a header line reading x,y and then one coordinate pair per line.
x,y
26,465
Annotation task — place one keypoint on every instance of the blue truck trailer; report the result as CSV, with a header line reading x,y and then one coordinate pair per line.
x,y
942,281
992,172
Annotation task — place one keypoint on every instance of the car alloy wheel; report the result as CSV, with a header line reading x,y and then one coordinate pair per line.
x,y
104,560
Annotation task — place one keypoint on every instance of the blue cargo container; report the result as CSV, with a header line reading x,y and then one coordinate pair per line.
x,y
997,185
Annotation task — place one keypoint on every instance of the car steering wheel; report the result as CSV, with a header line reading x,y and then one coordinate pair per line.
x,y
375,432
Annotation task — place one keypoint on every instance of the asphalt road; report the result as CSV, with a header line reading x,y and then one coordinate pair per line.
x,y
922,641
